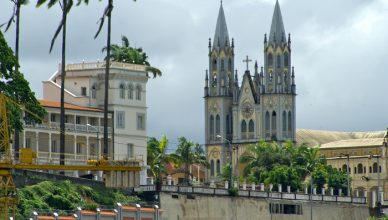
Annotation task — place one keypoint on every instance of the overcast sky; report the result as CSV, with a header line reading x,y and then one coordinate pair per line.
x,y
339,50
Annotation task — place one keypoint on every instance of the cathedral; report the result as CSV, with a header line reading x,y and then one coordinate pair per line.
x,y
261,107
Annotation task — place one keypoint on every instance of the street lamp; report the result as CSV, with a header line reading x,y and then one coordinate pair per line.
x,y
230,159
347,171
98,140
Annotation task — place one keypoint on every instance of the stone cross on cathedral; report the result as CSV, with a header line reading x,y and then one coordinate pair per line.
x,y
247,60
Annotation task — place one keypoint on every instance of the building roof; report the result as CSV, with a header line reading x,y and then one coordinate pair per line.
x,y
319,137
362,142
221,36
55,104
277,33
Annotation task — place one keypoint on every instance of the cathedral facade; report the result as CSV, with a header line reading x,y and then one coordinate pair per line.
x,y
261,107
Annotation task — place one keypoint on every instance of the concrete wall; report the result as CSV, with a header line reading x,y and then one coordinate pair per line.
x,y
225,208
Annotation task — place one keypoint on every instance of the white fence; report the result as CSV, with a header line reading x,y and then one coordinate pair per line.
x,y
253,194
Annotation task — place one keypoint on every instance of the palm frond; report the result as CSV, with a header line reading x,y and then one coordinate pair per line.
x,y
56,35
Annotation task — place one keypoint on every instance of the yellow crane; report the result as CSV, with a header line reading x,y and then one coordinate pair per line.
x,y
8,195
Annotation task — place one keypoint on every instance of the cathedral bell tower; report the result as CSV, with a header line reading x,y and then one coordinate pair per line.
x,y
278,90
218,95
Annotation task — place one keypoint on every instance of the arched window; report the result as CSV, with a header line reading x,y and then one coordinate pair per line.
x,y
289,123
359,168
214,80
218,167
122,91
344,168
267,122
278,61
374,167
211,167
273,122
138,92
211,122
214,64
94,91
286,59
251,126
243,126
230,64
218,125
227,124
222,65
130,91
270,59
284,119
270,76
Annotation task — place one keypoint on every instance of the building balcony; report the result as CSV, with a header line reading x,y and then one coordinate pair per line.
x,y
68,127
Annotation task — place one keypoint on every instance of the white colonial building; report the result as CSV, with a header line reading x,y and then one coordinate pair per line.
x,y
84,98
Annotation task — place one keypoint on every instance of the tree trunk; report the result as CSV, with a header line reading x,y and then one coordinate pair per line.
x,y
63,74
16,132
107,66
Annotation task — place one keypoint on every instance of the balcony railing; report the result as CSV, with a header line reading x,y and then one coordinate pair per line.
x,y
68,127
100,65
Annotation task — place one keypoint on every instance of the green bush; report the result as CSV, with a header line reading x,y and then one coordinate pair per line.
x,y
64,196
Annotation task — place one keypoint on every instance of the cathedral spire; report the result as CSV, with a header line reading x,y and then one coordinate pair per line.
x,y
277,33
221,37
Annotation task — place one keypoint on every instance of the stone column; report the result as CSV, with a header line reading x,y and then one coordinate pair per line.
x,y
87,148
280,188
288,189
331,191
315,191
270,187
253,187
37,143
339,192
75,147
261,186
306,190
50,146
323,191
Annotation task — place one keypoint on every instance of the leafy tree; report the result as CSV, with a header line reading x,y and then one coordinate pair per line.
x,y
16,16
288,164
285,175
16,87
337,179
127,54
187,154
225,172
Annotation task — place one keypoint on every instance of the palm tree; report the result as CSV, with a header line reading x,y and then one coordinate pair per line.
x,y
127,54
66,5
187,154
157,157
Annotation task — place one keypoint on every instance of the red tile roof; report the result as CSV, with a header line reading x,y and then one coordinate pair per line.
x,y
55,104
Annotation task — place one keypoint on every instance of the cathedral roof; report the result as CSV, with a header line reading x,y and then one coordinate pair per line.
x,y
221,37
247,76
277,33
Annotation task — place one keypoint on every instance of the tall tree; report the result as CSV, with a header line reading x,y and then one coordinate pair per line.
x,y
16,16
65,5
158,158
13,84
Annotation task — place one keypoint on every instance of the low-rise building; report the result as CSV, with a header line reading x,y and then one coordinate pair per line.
x,y
84,101
362,154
